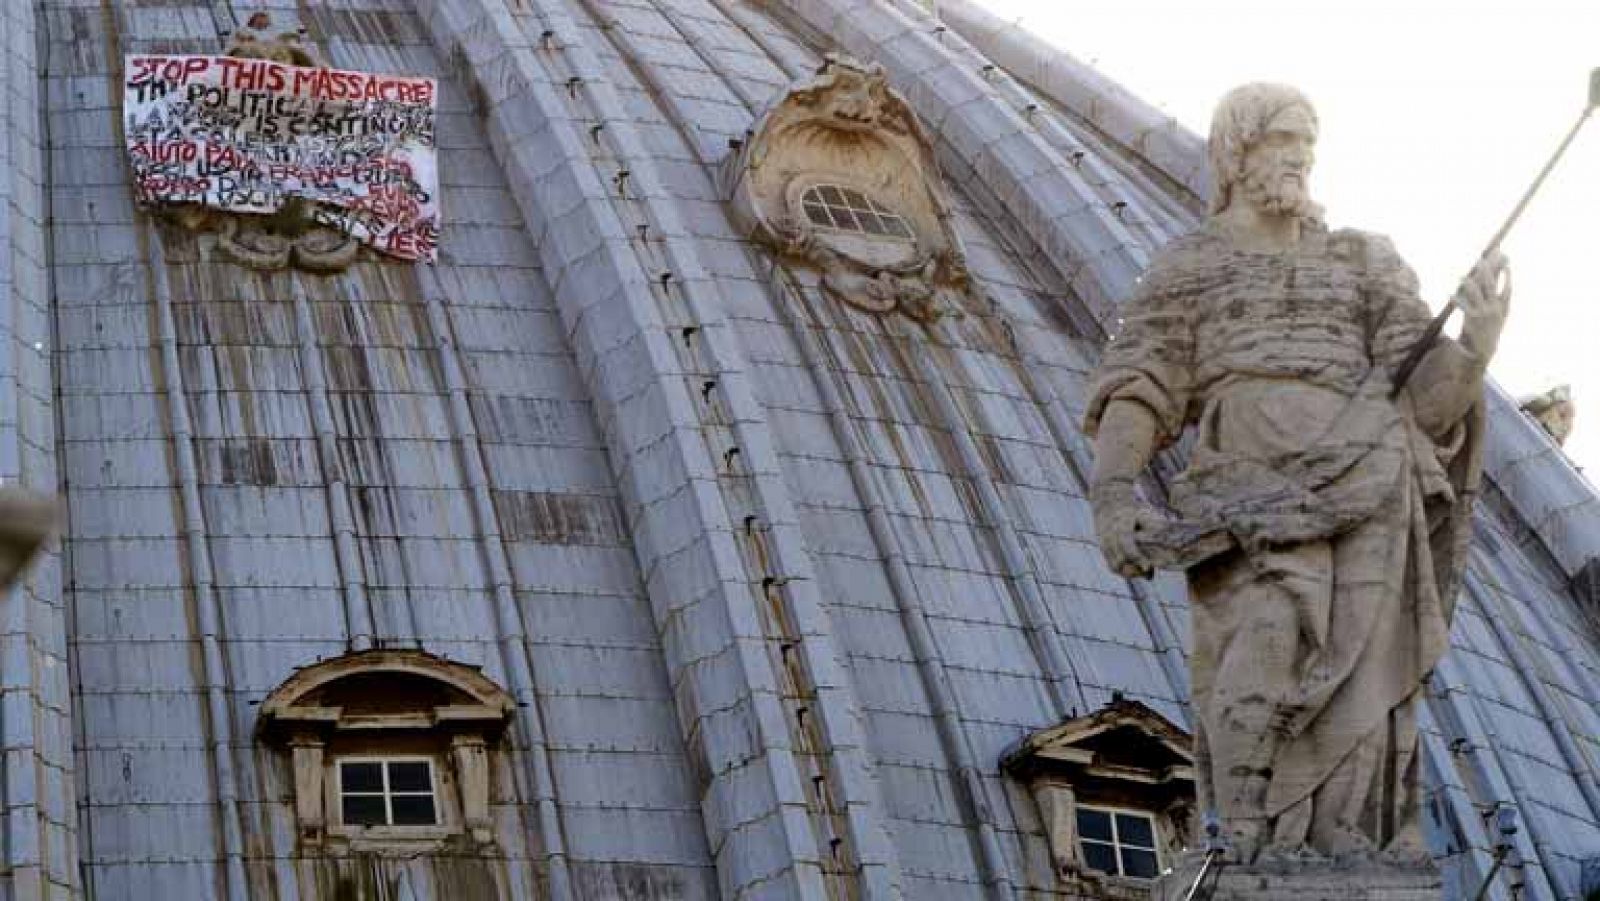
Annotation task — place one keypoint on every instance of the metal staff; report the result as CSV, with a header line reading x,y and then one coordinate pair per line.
x,y
1215,848
1403,374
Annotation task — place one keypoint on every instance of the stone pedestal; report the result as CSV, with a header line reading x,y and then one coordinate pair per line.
x,y
1306,879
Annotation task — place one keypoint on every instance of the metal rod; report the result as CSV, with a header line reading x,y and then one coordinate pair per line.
x,y
1506,821
1488,878
1418,350
1200,878
1215,847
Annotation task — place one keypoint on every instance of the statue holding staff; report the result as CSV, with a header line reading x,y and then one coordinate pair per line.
x,y
1322,522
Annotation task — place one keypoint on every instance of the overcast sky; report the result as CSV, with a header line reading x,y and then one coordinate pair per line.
x,y
1435,115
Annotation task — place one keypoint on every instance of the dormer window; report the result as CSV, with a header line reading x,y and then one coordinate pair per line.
x,y
1115,791
387,792
1118,842
390,751
848,210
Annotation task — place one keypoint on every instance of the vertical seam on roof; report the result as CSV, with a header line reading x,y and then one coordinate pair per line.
x,y
515,656
930,662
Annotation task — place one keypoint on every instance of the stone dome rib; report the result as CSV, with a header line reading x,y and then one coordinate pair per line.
x,y
1136,125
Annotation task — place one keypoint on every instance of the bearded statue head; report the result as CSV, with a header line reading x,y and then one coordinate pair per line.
x,y
1241,170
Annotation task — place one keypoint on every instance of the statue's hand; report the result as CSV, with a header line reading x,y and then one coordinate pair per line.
x,y
1485,297
1119,516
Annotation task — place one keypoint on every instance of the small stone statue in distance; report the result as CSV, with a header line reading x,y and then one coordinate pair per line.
x,y
1322,524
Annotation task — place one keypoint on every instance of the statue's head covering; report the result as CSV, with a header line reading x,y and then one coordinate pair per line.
x,y
1241,119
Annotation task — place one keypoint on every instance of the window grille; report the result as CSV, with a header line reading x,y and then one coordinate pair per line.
x,y
1119,842
848,210
387,792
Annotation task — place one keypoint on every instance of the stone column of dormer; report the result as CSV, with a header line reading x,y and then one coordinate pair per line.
x,y
1058,808
307,752
470,754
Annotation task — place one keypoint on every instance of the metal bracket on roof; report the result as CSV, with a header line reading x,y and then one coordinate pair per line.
x,y
1505,853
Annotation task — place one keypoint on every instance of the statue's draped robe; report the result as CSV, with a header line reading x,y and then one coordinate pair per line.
x,y
1311,640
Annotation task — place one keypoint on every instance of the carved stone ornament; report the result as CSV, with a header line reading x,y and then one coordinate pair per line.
x,y
27,521
263,38
839,174
1125,756
291,236
378,703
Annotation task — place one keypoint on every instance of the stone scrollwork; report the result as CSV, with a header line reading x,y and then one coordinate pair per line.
x,y
291,236
262,38
288,237
839,175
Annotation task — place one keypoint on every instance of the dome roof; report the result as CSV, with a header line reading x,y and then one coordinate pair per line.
x,y
756,514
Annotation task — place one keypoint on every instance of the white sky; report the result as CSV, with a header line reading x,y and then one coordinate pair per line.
x,y
1436,116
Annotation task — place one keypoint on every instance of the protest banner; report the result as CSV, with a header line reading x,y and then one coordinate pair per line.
x,y
247,135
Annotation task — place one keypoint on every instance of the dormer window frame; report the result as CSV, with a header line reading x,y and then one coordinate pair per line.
x,y
386,792
1116,843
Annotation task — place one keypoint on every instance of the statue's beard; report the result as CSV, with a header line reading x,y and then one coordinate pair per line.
x,y
1268,191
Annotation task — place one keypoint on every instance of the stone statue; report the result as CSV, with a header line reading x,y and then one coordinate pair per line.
x,y
1554,410
27,521
1322,523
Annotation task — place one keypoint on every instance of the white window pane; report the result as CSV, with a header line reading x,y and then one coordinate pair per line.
x,y
1135,830
363,810
847,209
1100,857
394,792
410,776
1094,824
361,777
413,810
1139,863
